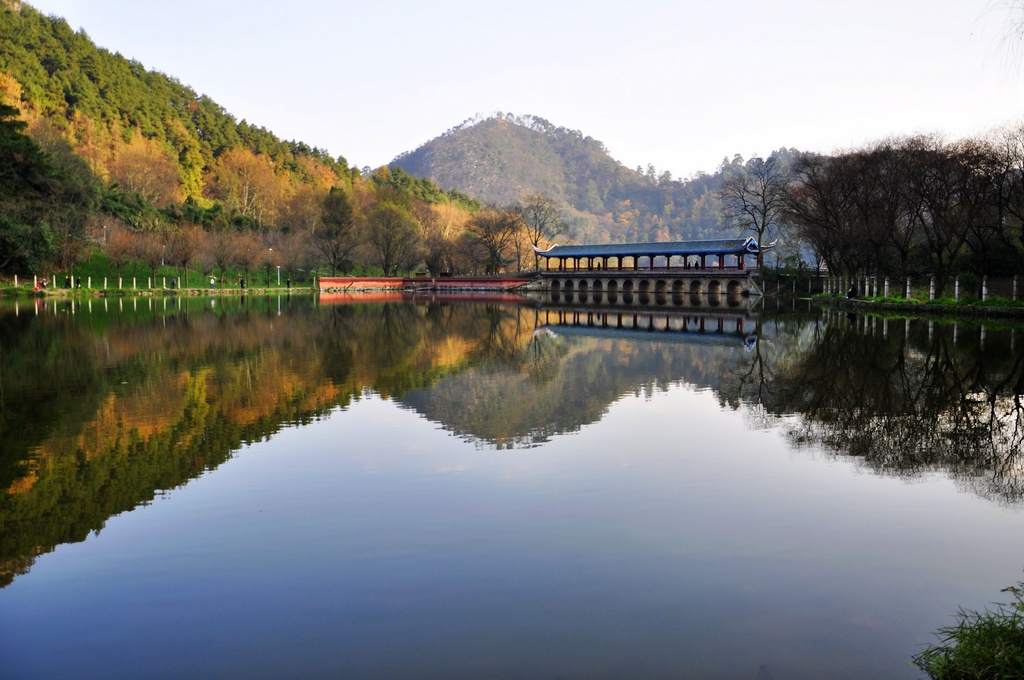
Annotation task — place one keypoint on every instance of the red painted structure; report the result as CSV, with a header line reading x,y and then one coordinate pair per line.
x,y
352,284
362,297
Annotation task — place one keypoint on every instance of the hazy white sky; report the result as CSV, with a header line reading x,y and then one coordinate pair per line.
x,y
678,84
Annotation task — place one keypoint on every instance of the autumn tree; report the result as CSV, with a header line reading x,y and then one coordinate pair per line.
x,y
204,260
300,212
245,183
442,225
393,234
190,160
145,167
152,251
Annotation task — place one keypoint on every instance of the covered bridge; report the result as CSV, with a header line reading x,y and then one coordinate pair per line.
x,y
711,266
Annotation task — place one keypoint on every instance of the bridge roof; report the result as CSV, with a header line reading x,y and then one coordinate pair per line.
x,y
726,246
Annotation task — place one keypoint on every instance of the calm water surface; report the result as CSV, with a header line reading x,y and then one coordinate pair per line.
x,y
271,487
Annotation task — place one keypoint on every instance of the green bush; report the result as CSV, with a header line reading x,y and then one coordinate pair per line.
x,y
988,644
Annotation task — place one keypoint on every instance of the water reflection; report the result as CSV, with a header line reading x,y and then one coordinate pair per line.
x,y
107,402
645,298
910,397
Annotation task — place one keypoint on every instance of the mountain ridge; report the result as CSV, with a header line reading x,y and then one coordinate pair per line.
x,y
503,157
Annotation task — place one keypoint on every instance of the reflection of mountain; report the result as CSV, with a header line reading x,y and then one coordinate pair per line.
x,y
566,377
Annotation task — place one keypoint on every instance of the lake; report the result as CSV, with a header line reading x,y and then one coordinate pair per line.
x,y
388,486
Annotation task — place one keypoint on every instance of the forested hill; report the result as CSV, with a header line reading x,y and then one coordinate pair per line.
x,y
105,103
98,152
503,157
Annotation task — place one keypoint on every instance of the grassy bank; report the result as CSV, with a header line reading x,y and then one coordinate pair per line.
x,y
99,276
987,644
993,307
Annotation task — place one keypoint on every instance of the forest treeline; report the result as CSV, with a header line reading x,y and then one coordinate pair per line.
x,y
903,207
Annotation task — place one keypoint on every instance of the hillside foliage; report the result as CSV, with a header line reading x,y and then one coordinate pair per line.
x,y
110,154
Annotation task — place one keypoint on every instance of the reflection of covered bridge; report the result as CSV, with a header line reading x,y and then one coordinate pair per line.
x,y
713,267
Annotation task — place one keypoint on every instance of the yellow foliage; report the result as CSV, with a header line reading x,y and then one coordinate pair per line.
x,y
10,90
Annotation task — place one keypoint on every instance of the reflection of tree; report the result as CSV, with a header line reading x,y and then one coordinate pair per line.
x,y
145,404
906,405
149,399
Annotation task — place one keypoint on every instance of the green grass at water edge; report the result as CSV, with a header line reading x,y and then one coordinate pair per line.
x,y
97,269
986,644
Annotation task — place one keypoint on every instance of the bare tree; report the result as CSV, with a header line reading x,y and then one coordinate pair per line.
x,y
542,221
247,252
120,244
820,207
182,246
940,186
223,246
494,232
753,198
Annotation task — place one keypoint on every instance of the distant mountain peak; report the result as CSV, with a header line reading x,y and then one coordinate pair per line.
x,y
501,157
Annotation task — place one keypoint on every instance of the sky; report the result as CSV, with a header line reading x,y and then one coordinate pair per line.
x,y
680,85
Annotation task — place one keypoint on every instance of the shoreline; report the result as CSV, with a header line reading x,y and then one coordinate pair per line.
x,y
10,293
968,311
